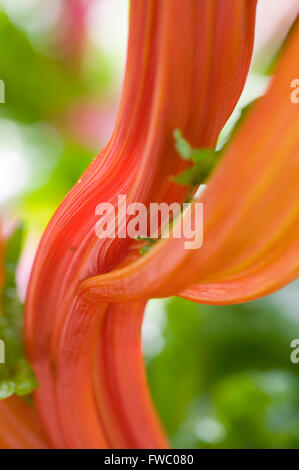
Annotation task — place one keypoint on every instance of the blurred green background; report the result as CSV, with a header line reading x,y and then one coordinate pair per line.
x,y
221,377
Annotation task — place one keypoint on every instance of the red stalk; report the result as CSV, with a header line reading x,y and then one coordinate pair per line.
x,y
186,67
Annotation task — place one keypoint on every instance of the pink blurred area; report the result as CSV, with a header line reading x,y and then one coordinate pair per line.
x,y
274,19
72,23
92,123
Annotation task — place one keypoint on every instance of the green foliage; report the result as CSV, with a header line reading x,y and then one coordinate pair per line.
x,y
224,378
36,85
16,375
203,161
148,244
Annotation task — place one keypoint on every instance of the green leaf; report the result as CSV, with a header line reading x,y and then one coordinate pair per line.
x,y
190,177
148,244
203,159
24,379
7,388
182,145
16,375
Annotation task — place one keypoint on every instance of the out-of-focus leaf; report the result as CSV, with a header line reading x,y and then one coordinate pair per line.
x,y
16,375
203,161
219,363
